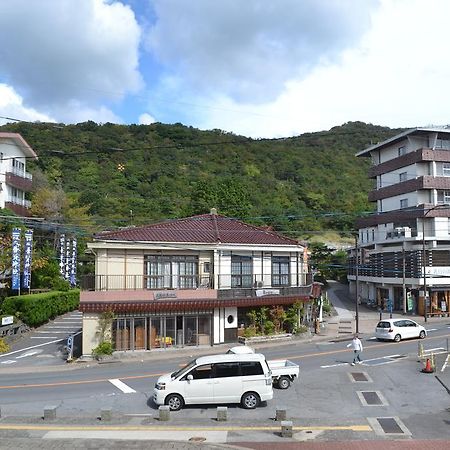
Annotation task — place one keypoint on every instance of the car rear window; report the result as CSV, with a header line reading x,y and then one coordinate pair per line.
x,y
383,325
251,368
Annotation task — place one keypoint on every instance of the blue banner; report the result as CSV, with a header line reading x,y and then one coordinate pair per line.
x,y
62,255
27,251
73,266
15,281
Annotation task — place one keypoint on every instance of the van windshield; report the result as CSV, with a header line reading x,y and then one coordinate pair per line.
x,y
184,369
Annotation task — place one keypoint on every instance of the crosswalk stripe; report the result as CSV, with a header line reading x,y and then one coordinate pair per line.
x,y
122,386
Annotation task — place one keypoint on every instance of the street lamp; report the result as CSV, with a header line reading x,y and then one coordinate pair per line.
x,y
424,263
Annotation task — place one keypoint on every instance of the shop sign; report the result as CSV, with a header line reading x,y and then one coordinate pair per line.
x,y
443,306
164,294
263,292
438,271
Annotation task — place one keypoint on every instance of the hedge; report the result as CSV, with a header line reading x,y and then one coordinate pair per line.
x,y
36,309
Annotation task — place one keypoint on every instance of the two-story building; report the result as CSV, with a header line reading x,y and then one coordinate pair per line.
x,y
15,181
189,281
404,248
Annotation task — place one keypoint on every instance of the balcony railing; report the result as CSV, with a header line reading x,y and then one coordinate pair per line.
x,y
161,282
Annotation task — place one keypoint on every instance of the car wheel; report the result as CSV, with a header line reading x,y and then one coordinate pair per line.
x,y
250,400
284,382
397,338
174,401
422,334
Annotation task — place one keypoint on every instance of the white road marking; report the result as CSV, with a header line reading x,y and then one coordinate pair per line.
x,y
25,355
46,337
430,329
433,349
61,327
367,360
335,365
67,320
8,361
122,386
52,332
371,339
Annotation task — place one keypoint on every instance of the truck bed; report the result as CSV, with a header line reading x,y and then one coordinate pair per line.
x,y
283,367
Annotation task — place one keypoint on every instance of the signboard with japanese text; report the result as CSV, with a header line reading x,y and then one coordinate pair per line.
x,y
15,279
27,250
73,265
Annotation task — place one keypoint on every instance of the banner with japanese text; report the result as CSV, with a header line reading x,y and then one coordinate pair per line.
x,y
15,279
73,267
27,252
62,255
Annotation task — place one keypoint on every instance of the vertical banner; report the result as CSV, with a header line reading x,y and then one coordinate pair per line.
x,y
62,254
73,267
27,251
15,282
68,260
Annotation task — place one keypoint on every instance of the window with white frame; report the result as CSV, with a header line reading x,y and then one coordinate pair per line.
x,y
443,196
280,270
403,203
241,271
402,150
446,169
403,176
171,271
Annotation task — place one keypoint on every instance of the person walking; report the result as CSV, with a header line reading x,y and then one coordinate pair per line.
x,y
357,346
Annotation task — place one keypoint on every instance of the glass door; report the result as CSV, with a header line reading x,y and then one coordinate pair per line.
x,y
190,330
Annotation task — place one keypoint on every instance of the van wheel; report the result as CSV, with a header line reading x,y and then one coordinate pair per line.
x,y
174,401
250,400
397,338
284,382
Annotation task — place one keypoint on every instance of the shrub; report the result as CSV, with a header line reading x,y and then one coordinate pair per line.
x,y
36,309
4,347
105,348
300,329
250,331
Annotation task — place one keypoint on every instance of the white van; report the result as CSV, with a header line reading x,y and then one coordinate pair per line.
x,y
229,378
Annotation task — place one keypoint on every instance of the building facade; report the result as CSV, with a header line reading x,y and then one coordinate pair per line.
x,y
402,258
15,181
188,282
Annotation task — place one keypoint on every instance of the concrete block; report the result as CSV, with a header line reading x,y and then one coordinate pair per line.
x,y
222,413
106,414
164,413
286,428
280,414
49,412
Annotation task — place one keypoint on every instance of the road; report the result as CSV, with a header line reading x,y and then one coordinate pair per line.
x,y
326,398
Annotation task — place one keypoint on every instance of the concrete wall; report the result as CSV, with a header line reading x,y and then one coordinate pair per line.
x,y
91,339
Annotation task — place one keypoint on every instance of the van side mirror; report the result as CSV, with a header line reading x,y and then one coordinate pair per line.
x,y
189,377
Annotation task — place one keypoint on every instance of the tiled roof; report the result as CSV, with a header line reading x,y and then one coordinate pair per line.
x,y
205,228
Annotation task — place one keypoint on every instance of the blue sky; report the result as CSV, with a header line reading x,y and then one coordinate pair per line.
x,y
259,68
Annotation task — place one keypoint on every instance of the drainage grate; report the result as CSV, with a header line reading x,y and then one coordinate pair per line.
x,y
359,376
390,425
371,398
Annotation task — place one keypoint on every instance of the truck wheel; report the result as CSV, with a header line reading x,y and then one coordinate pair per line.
x,y
250,400
174,401
284,382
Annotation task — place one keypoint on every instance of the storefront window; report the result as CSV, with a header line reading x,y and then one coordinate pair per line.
x,y
121,334
139,334
190,331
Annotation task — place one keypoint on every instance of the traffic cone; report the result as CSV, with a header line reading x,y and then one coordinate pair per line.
x,y
428,368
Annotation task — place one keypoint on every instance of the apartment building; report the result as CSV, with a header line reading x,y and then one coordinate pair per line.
x,y
402,260
15,181
188,282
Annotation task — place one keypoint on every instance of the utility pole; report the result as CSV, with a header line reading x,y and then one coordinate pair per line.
x,y
357,285
404,276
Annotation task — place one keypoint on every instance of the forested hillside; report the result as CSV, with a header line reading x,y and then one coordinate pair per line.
x,y
106,176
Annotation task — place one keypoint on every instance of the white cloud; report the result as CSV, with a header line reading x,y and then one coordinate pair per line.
x,y
146,119
397,77
11,105
61,52
249,49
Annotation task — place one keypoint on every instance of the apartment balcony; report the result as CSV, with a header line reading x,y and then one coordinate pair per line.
x,y
420,183
19,179
19,206
235,285
422,154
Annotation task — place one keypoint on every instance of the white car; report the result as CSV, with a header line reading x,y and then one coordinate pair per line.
x,y
230,378
241,350
398,329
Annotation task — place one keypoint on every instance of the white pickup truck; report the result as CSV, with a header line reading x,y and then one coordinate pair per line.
x,y
283,370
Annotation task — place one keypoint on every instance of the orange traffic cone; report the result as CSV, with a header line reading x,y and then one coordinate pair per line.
x,y
428,368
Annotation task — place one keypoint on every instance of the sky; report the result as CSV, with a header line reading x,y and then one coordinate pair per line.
x,y
258,68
